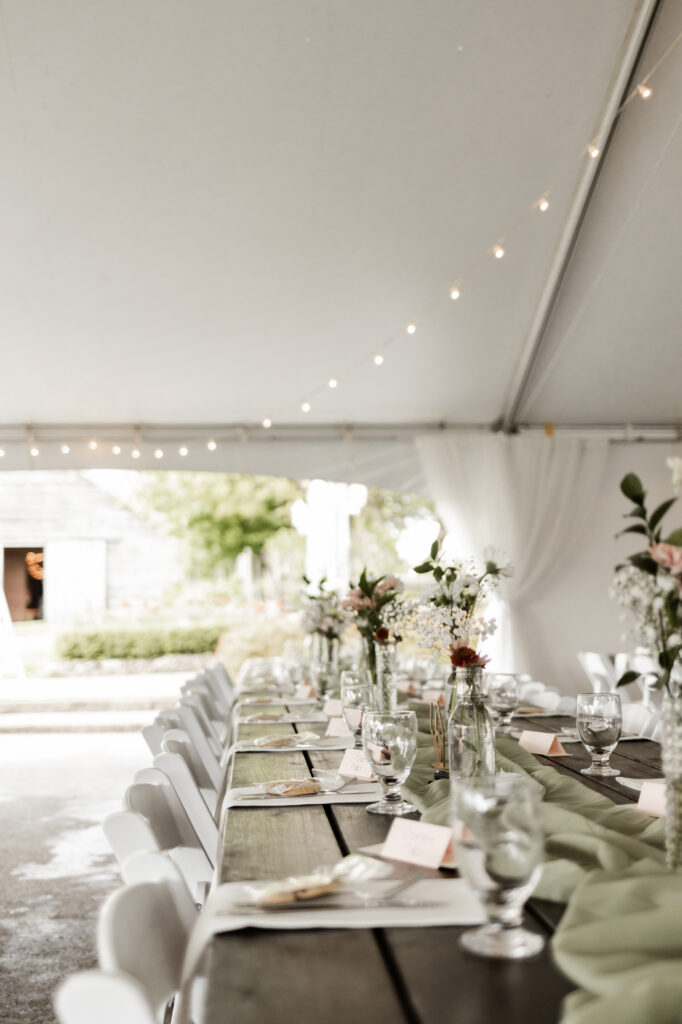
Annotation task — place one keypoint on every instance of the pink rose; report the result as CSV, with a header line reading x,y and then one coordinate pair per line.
x,y
667,555
390,583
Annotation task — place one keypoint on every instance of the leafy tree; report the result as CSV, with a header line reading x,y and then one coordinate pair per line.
x,y
220,515
375,531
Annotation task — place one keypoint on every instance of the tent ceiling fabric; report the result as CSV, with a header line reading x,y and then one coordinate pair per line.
x,y
211,208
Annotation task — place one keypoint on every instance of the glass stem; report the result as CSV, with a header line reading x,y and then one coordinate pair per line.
x,y
392,793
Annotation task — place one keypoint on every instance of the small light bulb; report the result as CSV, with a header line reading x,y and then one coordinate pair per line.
x,y
593,150
378,360
543,205
333,383
499,252
2,453
267,422
411,328
135,453
644,91
158,453
92,445
35,452
65,449
305,406
454,294
183,450
211,445
116,450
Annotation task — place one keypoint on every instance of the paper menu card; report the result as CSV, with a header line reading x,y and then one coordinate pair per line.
x,y
333,708
546,743
355,763
305,692
652,798
337,727
417,842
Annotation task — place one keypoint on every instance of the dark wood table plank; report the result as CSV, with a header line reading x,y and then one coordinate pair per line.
x,y
256,975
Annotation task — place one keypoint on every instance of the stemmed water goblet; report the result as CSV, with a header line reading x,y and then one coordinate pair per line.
x,y
389,740
498,837
599,718
356,699
503,698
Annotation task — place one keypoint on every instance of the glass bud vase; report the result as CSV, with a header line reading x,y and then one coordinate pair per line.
x,y
369,658
672,769
386,691
471,733
326,667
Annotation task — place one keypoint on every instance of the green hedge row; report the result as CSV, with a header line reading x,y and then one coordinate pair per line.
x,y
96,644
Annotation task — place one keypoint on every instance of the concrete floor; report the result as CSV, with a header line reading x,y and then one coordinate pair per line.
x,y
55,788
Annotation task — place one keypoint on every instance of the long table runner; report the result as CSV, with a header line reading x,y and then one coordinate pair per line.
x,y
620,938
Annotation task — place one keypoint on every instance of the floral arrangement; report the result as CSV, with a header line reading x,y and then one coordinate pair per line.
x,y
374,606
449,616
649,584
323,613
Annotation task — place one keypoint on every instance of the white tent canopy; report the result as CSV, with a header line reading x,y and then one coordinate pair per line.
x,y
209,210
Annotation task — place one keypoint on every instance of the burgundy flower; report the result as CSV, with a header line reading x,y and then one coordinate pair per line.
x,y
463,657
381,634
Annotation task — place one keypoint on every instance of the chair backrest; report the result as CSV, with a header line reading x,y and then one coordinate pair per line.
x,y
127,833
191,700
158,866
198,812
153,735
141,933
598,671
190,723
95,996
217,718
152,795
177,741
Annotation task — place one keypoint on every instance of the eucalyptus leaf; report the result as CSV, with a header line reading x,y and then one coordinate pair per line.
x,y
632,488
628,677
635,528
434,549
644,562
660,512
424,567
675,538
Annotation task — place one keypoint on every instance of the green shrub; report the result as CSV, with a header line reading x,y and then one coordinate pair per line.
x,y
95,644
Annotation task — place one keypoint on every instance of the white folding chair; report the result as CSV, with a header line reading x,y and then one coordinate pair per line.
x,y
95,996
649,670
192,700
602,674
635,717
142,934
129,833
158,866
217,718
177,741
153,736
198,812
156,800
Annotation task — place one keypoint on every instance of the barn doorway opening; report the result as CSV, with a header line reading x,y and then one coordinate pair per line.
x,y
23,578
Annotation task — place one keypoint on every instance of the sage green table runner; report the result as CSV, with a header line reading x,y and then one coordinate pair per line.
x,y
620,938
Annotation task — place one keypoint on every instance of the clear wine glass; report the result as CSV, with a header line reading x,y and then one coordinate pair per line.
x,y
498,837
389,739
356,698
599,719
503,697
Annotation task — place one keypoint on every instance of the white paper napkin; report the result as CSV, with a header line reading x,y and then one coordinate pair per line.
x,y
363,793
296,718
323,744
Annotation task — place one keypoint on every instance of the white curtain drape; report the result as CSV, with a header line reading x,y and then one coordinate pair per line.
x,y
528,496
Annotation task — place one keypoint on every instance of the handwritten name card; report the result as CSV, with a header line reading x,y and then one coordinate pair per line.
x,y
305,692
418,842
546,743
337,727
333,708
355,763
652,798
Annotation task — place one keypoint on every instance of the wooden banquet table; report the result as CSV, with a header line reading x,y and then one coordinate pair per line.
x,y
376,975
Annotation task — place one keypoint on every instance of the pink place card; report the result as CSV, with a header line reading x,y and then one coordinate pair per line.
x,y
652,798
545,743
407,687
417,842
337,727
355,763
305,692
434,697
333,708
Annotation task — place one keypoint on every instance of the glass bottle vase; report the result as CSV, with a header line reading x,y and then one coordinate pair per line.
x,y
386,691
471,732
671,751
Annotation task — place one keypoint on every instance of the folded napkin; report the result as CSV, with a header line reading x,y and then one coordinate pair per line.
x,y
363,793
